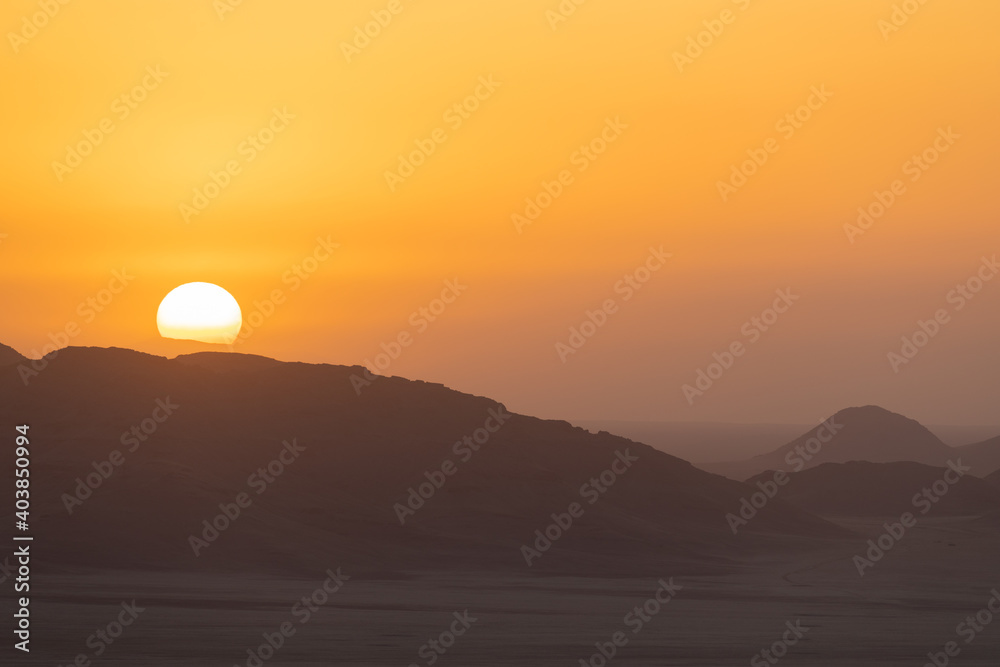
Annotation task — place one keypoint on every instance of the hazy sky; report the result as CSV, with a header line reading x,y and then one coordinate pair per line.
x,y
119,116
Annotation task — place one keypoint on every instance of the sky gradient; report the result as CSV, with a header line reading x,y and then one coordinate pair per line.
x,y
620,128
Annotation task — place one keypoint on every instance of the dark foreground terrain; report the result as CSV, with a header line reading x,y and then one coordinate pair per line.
x,y
909,604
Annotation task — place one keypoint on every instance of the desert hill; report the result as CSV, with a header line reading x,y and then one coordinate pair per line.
x,y
867,433
864,489
366,444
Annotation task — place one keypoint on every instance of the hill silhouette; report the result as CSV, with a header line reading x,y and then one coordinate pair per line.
x,y
867,433
340,498
985,455
9,355
865,489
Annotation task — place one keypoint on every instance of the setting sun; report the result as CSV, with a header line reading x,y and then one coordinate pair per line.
x,y
199,311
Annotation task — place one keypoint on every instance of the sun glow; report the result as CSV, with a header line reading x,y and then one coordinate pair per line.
x,y
199,311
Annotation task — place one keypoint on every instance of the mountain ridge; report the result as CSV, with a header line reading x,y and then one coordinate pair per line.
x,y
366,450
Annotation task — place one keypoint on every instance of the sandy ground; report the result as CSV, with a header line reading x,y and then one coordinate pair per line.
x,y
908,604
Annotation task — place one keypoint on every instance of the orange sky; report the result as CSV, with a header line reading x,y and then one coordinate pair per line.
x,y
197,84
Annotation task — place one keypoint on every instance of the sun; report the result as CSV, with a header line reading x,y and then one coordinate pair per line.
x,y
199,311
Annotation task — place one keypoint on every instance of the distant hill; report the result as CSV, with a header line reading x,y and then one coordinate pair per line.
x,y
863,489
364,451
985,456
961,435
867,433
